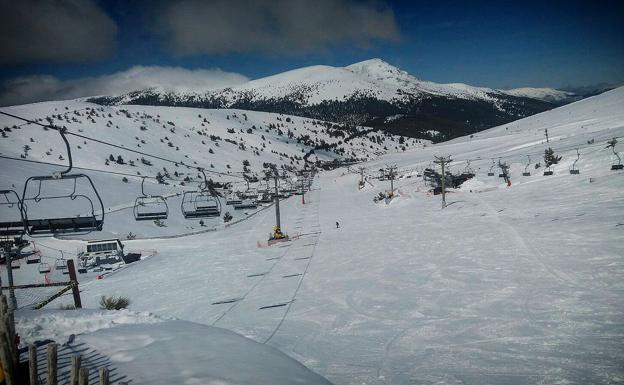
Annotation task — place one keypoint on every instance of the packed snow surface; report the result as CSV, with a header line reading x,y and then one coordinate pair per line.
x,y
150,350
547,94
506,285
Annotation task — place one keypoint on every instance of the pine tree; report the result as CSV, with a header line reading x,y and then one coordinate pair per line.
x,y
550,158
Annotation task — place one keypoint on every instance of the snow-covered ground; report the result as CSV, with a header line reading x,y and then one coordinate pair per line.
x,y
506,285
144,349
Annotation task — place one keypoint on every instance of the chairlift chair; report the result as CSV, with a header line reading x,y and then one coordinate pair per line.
x,y
526,168
574,170
619,165
502,174
44,268
207,205
33,258
490,171
60,263
11,227
233,199
150,207
548,172
201,204
15,264
249,200
92,220
266,197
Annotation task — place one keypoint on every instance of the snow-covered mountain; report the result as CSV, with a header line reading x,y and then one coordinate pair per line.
x,y
366,93
546,94
517,284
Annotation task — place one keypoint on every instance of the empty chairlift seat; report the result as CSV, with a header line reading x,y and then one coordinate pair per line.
x,y
60,264
200,204
61,203
234,199
33,258
150,207
44,268
40,208
526,168
11,214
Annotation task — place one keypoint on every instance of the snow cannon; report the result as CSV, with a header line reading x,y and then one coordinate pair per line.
x,y
277,236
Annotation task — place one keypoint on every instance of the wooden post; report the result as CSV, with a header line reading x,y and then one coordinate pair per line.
x,y
9,267
52,364
8,351
83,376
32,364
103,376
74,279
75,368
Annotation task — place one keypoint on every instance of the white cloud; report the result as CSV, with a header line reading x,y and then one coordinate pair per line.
x,y
275,26
57,31
38,88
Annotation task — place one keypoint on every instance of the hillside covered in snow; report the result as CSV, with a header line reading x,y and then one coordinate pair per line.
x,y
366,93
518,283
228,145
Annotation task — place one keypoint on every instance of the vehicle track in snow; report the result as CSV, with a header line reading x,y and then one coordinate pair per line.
x,y
234,304
303,274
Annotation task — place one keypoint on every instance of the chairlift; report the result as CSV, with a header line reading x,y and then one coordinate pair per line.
x,y
150,207
44,268
548,172
33,258
60,263
201,204
490,171
502,174
574,170
619,165
92,220
15,264
233,199
12,225
265,195
249,200
526,168
468,171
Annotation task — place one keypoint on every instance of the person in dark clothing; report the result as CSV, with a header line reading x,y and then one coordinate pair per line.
x,y
337,225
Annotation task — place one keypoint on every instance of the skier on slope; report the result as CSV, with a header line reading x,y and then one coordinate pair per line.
x,y
337,225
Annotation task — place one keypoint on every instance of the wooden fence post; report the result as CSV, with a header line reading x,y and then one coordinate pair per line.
x,y
32,364
52,364
103,376
7,313
74,279
83,376
7,343
75,368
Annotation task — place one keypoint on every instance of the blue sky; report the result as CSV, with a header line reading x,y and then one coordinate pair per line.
x,y
500,44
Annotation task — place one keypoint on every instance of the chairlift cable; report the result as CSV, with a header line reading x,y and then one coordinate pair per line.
x,y
90,169
114,145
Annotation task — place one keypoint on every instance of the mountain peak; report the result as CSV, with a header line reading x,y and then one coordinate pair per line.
x,y
372,65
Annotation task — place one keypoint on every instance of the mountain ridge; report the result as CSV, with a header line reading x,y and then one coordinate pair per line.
x,y
366,93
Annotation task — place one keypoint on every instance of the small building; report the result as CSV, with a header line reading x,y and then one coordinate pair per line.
x,y
106,251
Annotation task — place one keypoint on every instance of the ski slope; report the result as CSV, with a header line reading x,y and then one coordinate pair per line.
x,y
506,285
226,143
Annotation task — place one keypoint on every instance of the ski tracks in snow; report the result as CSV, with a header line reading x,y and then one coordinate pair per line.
x,y
286,266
